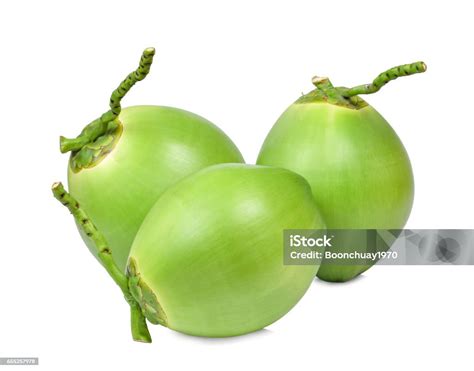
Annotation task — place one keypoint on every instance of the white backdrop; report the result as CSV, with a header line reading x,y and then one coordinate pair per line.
x,y
239,64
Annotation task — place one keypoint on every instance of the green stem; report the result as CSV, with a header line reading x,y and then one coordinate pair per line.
x,y
99,126
90,133
322,83
325,85
138,324
138,75
384,78
139,327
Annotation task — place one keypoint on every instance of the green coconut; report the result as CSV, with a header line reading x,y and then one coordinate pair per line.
x,y
356,164
122,162
208,259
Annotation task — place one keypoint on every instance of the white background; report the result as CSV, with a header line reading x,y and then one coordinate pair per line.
x,y
240,64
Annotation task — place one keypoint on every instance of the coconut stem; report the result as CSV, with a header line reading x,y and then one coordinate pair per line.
x,y
99,126
322,83
384,78
325,85
138,323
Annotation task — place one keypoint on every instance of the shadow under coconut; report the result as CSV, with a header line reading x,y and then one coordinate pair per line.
x,y
223,340
355,280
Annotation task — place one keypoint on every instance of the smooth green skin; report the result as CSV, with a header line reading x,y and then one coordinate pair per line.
x,y
358,169
211,249
158,147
